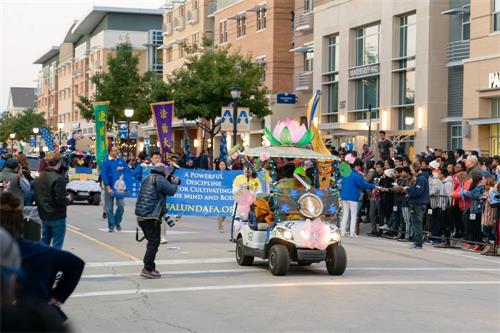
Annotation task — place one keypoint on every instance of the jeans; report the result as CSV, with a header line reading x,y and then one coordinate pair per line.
x,y
436,224
374,213
417,217
53,233
114,218
349,215
151,229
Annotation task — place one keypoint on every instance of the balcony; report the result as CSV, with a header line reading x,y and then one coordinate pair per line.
x,y
304,22
178,23
212,8
167,29
303,81
192,17
458,50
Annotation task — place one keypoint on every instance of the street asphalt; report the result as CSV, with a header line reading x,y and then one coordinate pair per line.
x,y
387,287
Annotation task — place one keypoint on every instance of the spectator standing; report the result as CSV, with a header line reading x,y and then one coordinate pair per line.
x,y
375,210
385,147
51,198
43,163
12,174
367,153
435,190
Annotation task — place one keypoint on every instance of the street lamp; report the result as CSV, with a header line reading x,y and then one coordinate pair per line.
x,y
12,136
235,94
370,125
36,130
60,126
129,112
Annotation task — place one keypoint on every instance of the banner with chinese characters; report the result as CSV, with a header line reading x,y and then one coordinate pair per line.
x,y
101,143
163,113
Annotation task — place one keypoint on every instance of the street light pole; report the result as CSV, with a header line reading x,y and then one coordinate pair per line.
x,y
12,136
129,112
235,94
370,125
60,126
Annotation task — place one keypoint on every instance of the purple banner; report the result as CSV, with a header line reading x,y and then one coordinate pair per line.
x,y
163,113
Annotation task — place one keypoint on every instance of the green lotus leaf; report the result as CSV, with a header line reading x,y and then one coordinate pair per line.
x,y
271,138
305,139
286,137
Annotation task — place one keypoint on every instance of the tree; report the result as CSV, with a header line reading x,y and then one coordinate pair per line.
x,y
202,86
22,124
121,85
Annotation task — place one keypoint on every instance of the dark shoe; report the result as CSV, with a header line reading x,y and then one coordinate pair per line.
x,y
111,230
154,274
356,230
118,227
373,234
104,215
401,237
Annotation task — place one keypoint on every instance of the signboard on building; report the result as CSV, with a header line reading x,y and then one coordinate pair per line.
x,y
364,70
286,98
122,130
242,121
494,80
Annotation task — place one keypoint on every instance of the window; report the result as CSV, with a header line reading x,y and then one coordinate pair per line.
x,y
406,119
181,50
308,5
156,37
195,39
332,64
332,102
466,22
223,32
366,94
407,35
195,4
495,108
169,17
261,18
308,61
182,11
367,45
407,87
496,15
494,140
169,54
456,137
330,80
157,60
241,26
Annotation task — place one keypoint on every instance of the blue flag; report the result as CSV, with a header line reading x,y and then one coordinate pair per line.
x,y
48,138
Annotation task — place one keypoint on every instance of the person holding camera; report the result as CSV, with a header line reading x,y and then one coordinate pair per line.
x,y
150,209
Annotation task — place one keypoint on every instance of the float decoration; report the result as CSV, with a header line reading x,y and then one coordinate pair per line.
x,y
289,133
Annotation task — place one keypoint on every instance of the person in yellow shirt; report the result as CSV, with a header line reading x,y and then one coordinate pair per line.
x,y
247,181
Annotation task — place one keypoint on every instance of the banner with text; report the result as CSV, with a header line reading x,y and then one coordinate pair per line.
x,y
101,144
163,113
203,193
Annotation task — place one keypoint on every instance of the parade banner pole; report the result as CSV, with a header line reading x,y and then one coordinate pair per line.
x,y
100,119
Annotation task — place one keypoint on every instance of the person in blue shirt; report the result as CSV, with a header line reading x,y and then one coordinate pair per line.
x,y
3,157
352,185
109,168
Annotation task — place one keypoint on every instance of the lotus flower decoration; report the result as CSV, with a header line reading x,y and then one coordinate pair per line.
x,y
289,133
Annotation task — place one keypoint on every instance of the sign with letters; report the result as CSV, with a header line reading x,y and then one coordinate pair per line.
x,y
203,193
494,80
286,98
364,70
242,120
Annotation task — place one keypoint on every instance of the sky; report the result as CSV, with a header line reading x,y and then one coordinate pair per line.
x,y
29,28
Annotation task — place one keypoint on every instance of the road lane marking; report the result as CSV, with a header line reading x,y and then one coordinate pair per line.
x,y
466,256
106,245
137,262
280,285
251,270
169,232
72,227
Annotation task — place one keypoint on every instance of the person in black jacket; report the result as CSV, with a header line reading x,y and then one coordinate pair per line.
x,y
51,200
149,209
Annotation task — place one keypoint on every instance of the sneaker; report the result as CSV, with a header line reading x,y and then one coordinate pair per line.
x,y
111,230
118,227
415,246
476,247
154,274
384,227
467,246
163,241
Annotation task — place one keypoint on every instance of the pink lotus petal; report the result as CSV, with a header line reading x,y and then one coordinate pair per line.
x,y
277,130
264,156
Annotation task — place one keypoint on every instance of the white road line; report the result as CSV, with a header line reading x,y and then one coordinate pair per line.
x,y
279,285
169,232
161,262
466,256
169,273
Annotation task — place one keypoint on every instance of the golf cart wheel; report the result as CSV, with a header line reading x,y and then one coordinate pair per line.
x,y
279,259
336,259
241,259
96,199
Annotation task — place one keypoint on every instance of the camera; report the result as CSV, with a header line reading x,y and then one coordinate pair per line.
x,y
170,222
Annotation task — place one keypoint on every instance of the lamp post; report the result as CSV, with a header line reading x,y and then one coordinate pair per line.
x,y
12,136
129,112
235,94
35,131
370,125
60,126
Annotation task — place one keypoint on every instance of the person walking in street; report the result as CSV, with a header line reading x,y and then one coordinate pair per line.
x,y
150,208
352,185
419,199
110,167
51,199
221,166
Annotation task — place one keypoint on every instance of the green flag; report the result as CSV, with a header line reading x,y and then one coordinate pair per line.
x,y
101,142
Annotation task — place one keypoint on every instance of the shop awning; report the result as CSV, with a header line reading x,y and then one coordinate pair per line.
x,y
484,121
451,119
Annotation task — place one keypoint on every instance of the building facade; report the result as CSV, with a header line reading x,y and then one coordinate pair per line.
x,y
367,55
20,98
481,98
67,70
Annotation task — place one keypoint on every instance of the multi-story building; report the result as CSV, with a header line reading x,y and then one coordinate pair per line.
x,y
368,55
481,97
262,30
20,99
67,70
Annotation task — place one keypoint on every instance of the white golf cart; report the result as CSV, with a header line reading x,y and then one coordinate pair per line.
x,y
83,186
304,226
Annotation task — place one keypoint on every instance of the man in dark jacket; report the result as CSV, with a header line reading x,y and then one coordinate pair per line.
x,y
51,200
150,208
419,199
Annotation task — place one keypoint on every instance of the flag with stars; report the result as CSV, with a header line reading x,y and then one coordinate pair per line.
x,y
163,114
48,138
101,142
223,147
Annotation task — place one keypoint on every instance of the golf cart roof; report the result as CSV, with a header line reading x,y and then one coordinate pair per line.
x,y
289,152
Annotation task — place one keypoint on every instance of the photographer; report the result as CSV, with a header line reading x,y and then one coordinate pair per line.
x,y
150,208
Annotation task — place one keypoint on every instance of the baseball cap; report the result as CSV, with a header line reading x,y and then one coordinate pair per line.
x,y
434,165
11,163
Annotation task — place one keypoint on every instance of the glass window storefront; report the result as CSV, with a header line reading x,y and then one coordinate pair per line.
x,y
495,107
456,137
495,139
406,119
367,45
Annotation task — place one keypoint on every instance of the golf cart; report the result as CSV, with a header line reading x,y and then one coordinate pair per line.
x,y
83,185
303,227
